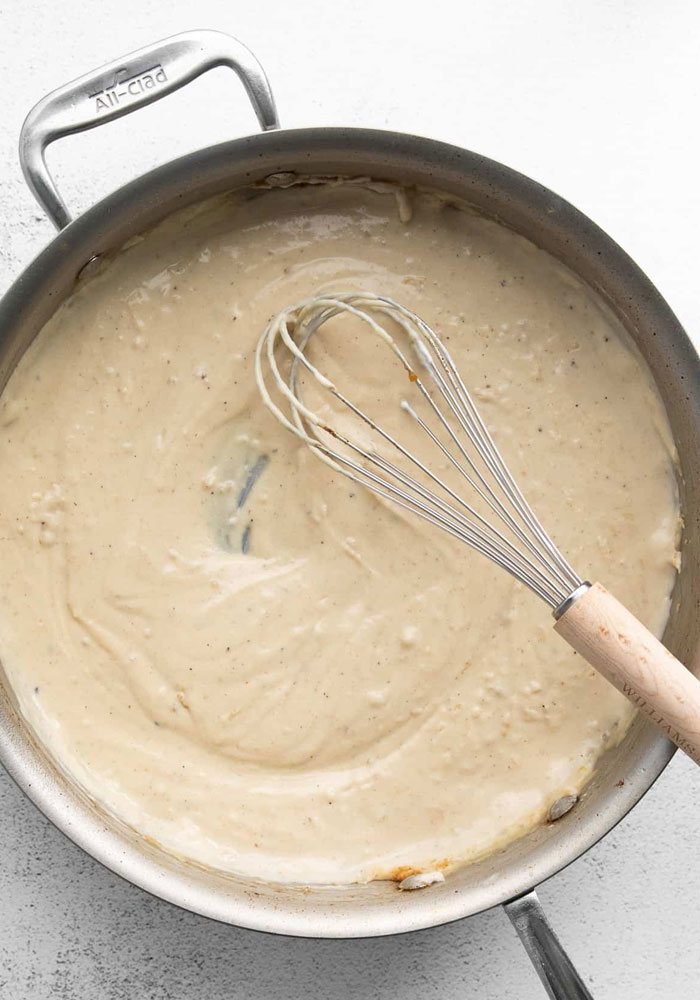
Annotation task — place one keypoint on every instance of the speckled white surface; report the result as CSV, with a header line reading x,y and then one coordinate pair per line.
x,y
600,101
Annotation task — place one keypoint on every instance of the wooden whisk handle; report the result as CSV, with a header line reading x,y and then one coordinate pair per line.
x,y
613,641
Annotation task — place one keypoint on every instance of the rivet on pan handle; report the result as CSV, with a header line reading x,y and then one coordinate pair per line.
x,y
125,85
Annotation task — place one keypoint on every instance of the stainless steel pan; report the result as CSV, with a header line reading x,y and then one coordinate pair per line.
x,y
624,775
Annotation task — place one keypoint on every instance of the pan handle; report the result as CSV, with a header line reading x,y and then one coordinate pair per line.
x,y
125,85
553,965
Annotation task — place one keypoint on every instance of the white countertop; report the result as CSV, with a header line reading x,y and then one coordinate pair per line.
x,y
599,101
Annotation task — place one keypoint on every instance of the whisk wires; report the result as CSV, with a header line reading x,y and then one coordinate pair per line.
x,y
516,541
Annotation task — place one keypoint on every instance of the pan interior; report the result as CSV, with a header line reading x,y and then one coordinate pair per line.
x,y
550,223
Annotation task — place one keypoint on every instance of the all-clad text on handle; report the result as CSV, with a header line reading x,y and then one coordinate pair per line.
x,y
125,85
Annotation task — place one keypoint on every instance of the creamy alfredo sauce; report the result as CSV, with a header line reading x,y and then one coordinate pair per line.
x,y
255,662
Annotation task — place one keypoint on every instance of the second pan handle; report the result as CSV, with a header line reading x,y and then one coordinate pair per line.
x,y
124,85
554,967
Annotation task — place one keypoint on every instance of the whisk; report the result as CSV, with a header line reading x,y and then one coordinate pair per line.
x,y
495,519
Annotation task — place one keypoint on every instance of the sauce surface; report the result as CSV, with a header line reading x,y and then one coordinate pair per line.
x,y
250,659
